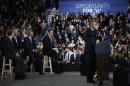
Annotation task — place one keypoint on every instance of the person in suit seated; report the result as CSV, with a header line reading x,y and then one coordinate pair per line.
x,y
30,47
78,55
11,52
1,38
82,62
52,51
17,40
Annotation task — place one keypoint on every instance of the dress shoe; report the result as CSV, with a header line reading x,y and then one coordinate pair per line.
x,y
41,74
24,77
90,81
83,74
59,72
17,78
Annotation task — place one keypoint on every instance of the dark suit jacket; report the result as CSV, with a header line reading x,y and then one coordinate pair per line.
x,y
29,45
90,47
90,36
48,44
17,44
9,50
72,58
1,38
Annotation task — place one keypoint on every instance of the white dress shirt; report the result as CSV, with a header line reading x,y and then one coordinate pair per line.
x,y
68,56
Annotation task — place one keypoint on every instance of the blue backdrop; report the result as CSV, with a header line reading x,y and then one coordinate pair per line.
x,y
93,6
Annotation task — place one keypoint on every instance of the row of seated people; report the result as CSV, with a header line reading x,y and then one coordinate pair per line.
x,y
15,48
60,53
10,51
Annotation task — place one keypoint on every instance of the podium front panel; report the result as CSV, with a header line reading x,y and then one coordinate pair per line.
x,y
104,62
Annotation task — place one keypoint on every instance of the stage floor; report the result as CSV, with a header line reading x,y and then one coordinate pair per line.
x,y
65,79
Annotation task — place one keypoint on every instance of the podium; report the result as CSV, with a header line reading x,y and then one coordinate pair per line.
x,y
103,51
121,77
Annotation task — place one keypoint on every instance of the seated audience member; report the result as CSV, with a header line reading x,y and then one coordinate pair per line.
x,y
52,51
17,40
82,62
11,52
78,55
72,44
39,47
80,42
74,56
68,56
30,47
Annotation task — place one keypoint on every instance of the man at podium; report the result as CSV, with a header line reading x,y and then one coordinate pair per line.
x,y
90,41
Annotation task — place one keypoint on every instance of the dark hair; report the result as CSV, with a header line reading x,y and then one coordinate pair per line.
x,y
9,32
49,30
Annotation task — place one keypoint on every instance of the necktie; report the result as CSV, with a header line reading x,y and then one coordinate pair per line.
x,y
16,41
30,39
51,38
68,57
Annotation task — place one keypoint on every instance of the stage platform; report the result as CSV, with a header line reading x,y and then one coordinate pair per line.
x,y
65,79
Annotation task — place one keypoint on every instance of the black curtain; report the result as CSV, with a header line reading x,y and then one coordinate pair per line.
x,y
56,3
48,4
